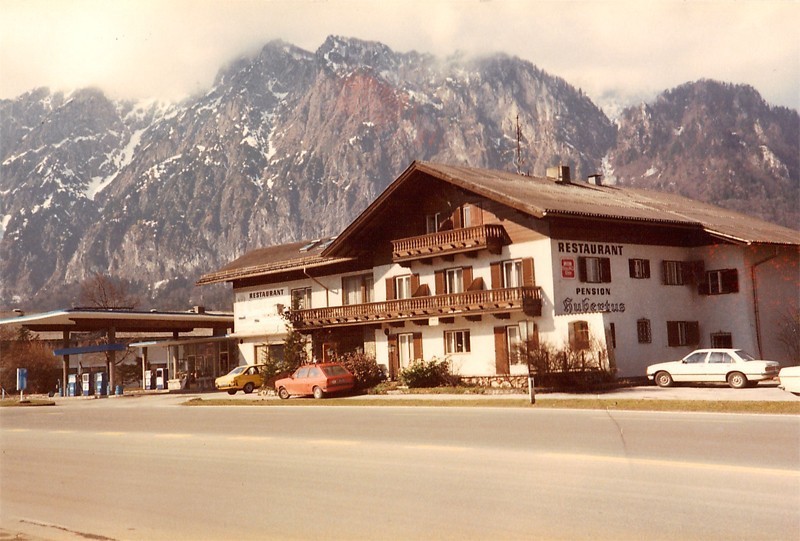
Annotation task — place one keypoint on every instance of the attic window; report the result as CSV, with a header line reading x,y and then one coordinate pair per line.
x,y
310,245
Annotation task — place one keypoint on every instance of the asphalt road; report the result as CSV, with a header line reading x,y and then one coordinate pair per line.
x,y
142,469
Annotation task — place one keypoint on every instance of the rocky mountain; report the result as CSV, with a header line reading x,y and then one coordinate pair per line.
x,y
291,144
714,142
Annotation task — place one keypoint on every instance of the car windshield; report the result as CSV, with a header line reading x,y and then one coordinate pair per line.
x,y
335,370
744,355
237,370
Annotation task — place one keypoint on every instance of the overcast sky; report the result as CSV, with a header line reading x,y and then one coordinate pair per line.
x,y
169,49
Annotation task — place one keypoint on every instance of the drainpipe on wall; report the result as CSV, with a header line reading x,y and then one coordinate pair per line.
x,y
323,286
756,311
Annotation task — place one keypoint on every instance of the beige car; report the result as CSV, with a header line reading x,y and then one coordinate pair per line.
x,y
246,377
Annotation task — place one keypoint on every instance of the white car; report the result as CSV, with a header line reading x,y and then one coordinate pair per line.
x,y
790,379
735,366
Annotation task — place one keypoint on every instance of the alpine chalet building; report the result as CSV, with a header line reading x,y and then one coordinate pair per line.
x,y
477,266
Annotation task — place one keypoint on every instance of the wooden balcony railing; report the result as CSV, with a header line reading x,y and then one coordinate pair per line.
x,y
470,303
490,237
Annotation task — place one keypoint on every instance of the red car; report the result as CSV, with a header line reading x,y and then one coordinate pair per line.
x,y
316,379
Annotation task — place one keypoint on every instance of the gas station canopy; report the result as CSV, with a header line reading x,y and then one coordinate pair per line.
x,y
101,319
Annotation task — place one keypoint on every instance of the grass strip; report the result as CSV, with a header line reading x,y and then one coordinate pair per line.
x,y
714,406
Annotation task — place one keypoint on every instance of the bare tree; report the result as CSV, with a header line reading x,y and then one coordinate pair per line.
x,y
103,291
789,333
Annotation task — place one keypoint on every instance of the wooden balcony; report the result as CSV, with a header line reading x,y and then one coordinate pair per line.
x,y
470,303
454,241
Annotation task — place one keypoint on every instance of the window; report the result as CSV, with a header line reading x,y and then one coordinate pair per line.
x,y
678,273
301,298
643,332
466,216
673,274
696,358
405,349
357,289
402,287
721,340
579,335
454,281
269,352
683,333
432,222
719,357
594,270
514,344
456,342
512,273
720,282
639,268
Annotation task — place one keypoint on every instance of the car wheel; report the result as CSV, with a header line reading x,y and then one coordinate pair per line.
x,y
283,393
248,387
231,391
663,379
737,380
318,393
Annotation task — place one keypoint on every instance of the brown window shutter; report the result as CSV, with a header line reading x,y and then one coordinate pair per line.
x,y
391,289
730,280
414,285
687,274
605,269
476,285
672,333
497,277
692,333
466,276
704,287
456,217
501,351
582,269
646,264
528,276
417,345
439,278
664,272
631,268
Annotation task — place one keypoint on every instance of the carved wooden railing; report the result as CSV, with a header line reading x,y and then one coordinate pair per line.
x,y
489,236
526,299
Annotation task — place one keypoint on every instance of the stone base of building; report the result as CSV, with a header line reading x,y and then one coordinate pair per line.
x,y
497,382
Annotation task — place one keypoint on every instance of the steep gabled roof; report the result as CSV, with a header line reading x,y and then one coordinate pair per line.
x,y
543,197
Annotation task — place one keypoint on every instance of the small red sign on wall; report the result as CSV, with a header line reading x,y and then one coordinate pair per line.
x,y
567,268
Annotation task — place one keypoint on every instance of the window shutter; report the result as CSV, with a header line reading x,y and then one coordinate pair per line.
x,y
414,285
500,351
439,277
632,268
456,217
582,269
672,334
646,267
704,287
664,272
466,276
528,276
391,289
730,281
692,333
605,269
417,345
497,277
572,338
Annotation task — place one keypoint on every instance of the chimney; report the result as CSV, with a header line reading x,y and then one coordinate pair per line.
x,y
596,179
199,309
560,173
